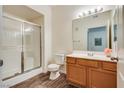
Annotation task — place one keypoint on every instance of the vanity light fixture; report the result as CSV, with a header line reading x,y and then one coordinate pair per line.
x,y
80,15
90,12
99,9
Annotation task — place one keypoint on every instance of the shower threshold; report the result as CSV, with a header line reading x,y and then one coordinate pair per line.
x,y
17,74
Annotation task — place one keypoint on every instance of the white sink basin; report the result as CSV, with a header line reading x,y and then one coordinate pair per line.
x,y
86,56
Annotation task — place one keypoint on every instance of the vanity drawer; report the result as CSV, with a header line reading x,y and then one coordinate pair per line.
x,y
90,63
109,66
70,60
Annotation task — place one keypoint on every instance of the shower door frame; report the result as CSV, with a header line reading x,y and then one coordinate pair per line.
x,y
22,51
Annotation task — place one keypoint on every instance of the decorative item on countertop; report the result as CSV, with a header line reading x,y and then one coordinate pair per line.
x,y
108,52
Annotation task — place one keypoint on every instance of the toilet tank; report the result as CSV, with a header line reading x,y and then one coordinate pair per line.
x,y
60,58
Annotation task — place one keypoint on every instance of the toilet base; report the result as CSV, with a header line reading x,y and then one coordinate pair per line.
x,y
54,75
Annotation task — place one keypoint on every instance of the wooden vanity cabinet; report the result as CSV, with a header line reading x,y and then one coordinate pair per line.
x,y
101,78
76,74
91,73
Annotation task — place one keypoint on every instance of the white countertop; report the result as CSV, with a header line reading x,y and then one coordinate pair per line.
x,y
94,57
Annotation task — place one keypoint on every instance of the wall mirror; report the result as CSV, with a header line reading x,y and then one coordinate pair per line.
x,y
92,33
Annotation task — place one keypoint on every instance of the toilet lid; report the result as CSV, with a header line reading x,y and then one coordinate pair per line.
x,y
53,66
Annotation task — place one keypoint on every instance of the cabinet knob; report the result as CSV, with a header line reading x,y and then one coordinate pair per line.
x,y
1,62
114,58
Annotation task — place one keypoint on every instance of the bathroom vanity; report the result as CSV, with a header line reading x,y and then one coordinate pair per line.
x,y
90,67
91,72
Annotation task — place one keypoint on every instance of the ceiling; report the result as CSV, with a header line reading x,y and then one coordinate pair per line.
x,y
21,11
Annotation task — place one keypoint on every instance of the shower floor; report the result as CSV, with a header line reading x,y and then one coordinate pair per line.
x,y
42,81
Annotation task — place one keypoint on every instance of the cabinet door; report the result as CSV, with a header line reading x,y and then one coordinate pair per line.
x,y
76,74
102,79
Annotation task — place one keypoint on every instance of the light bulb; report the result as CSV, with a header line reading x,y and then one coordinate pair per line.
x,y
80,15
89,12
99,8
83,14
92,10
86,12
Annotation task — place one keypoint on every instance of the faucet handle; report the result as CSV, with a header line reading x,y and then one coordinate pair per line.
x,y
114,58
90,54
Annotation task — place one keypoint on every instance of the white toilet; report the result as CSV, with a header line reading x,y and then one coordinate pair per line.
x,y
54,68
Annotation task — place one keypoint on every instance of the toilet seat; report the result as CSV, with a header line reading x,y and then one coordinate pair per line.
x,y
53,67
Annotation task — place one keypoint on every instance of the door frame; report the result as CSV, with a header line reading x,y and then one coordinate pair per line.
x,y
120,47
0,30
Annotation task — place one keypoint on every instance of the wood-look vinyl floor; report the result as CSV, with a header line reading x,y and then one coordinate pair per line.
x,y
43,81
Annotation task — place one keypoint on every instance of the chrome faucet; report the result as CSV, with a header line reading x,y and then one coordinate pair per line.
x,y
90,54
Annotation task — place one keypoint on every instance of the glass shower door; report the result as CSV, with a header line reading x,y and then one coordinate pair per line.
x,y
31,46
10,47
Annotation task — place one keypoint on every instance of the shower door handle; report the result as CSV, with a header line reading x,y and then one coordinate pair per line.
x,y
22,62
1,62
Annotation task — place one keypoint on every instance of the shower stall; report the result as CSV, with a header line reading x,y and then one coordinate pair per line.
x,y
20,46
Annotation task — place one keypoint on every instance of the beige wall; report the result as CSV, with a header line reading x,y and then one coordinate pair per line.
x,y
39,20
61,29
24,13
